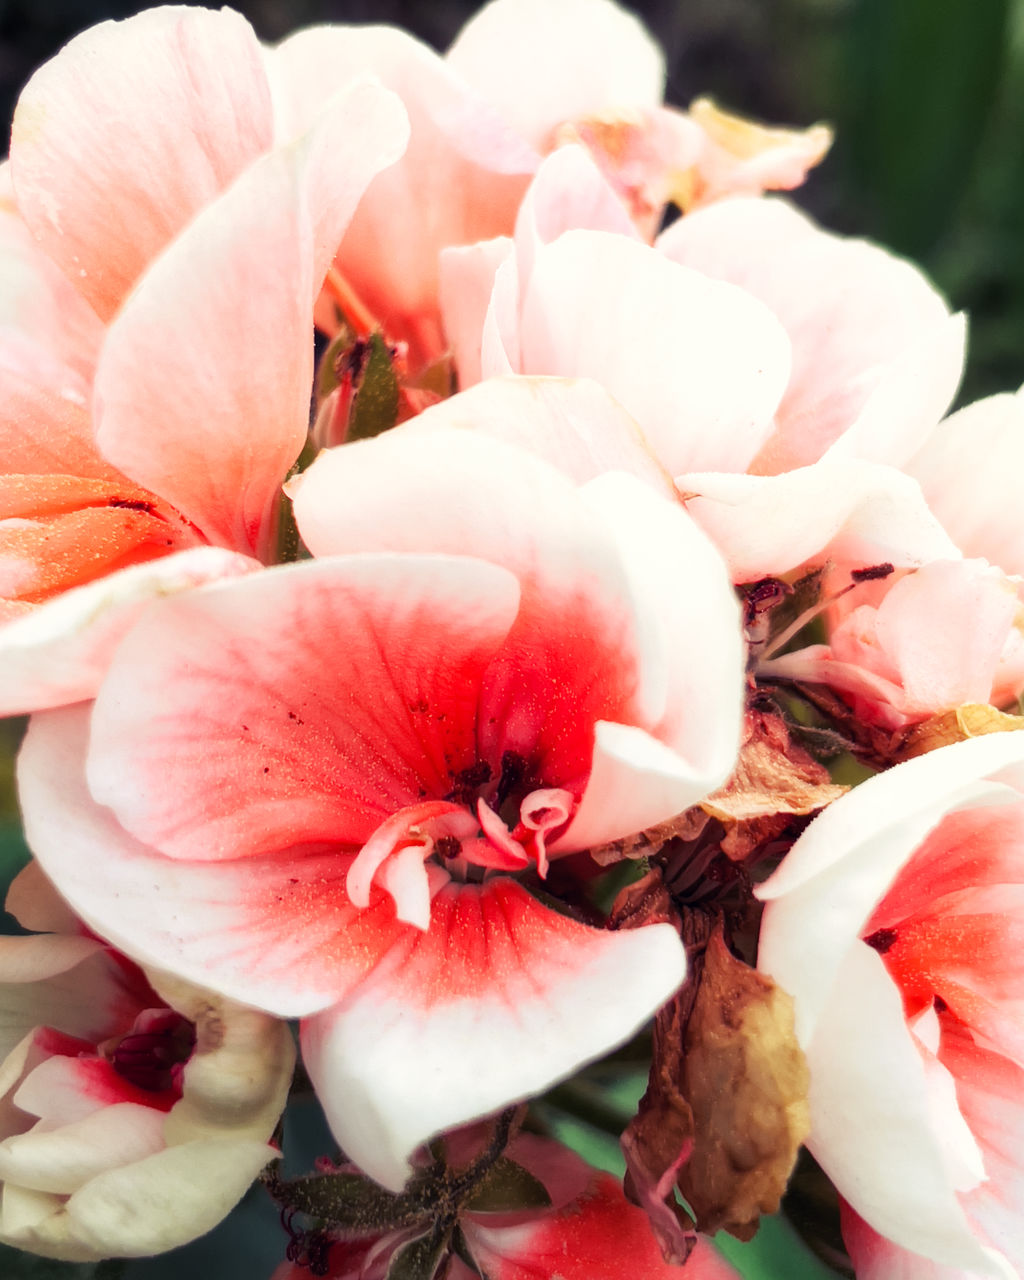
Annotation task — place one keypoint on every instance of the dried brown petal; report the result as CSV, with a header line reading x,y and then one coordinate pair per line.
x,y
774,780
972,720
745,1080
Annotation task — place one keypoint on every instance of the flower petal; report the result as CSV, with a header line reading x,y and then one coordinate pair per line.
x,y
850,510
501,998
966,469
871,1124
255,739
59,652
208,418
185,93
579,58
700,364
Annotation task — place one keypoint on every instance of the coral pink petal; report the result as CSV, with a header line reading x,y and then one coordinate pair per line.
x,y
45,423
849,341
184,92
700,364
599,1236
579,58
203,385
278,933
830,882
498,1000
59,651
460,179
571,657
984,839
38,301
967,469
305,703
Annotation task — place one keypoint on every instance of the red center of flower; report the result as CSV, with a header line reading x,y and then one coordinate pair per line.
x,y
152,1054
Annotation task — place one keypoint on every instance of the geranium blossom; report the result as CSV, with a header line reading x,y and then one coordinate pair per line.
x,y
133,1119
165,430
339,772
894,924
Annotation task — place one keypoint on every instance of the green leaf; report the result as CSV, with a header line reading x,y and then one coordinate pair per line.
x,y
375,408
506,1187
421,1258
775,1253
921,81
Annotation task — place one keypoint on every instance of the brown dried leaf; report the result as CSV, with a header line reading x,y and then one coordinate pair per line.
x,y
972,720
745,1080
774,780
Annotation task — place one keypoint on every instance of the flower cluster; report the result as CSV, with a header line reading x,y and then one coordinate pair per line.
x,y
451,517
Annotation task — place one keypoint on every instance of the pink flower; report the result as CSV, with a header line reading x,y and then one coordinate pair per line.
x,y
589,1232
914,645
967,469
316,789
134,1119
813,370
895,924
137,420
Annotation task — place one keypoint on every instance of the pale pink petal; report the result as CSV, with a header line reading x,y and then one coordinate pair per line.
x,y
576,58
824,892
876,1258
968,468
909,397
872,1128
202,392
278,933
568,193
855,512
573,423
501,998
59,652
460,179
260,736
700,364
875,351
945,628
466,280
989,1090
185,94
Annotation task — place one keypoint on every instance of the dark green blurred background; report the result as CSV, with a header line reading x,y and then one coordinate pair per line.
x,y
927,97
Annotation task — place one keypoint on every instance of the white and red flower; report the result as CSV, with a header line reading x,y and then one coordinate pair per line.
x,y
316,788
895,924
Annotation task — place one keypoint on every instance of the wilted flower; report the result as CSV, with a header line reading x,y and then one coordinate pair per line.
x,y
136,1116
